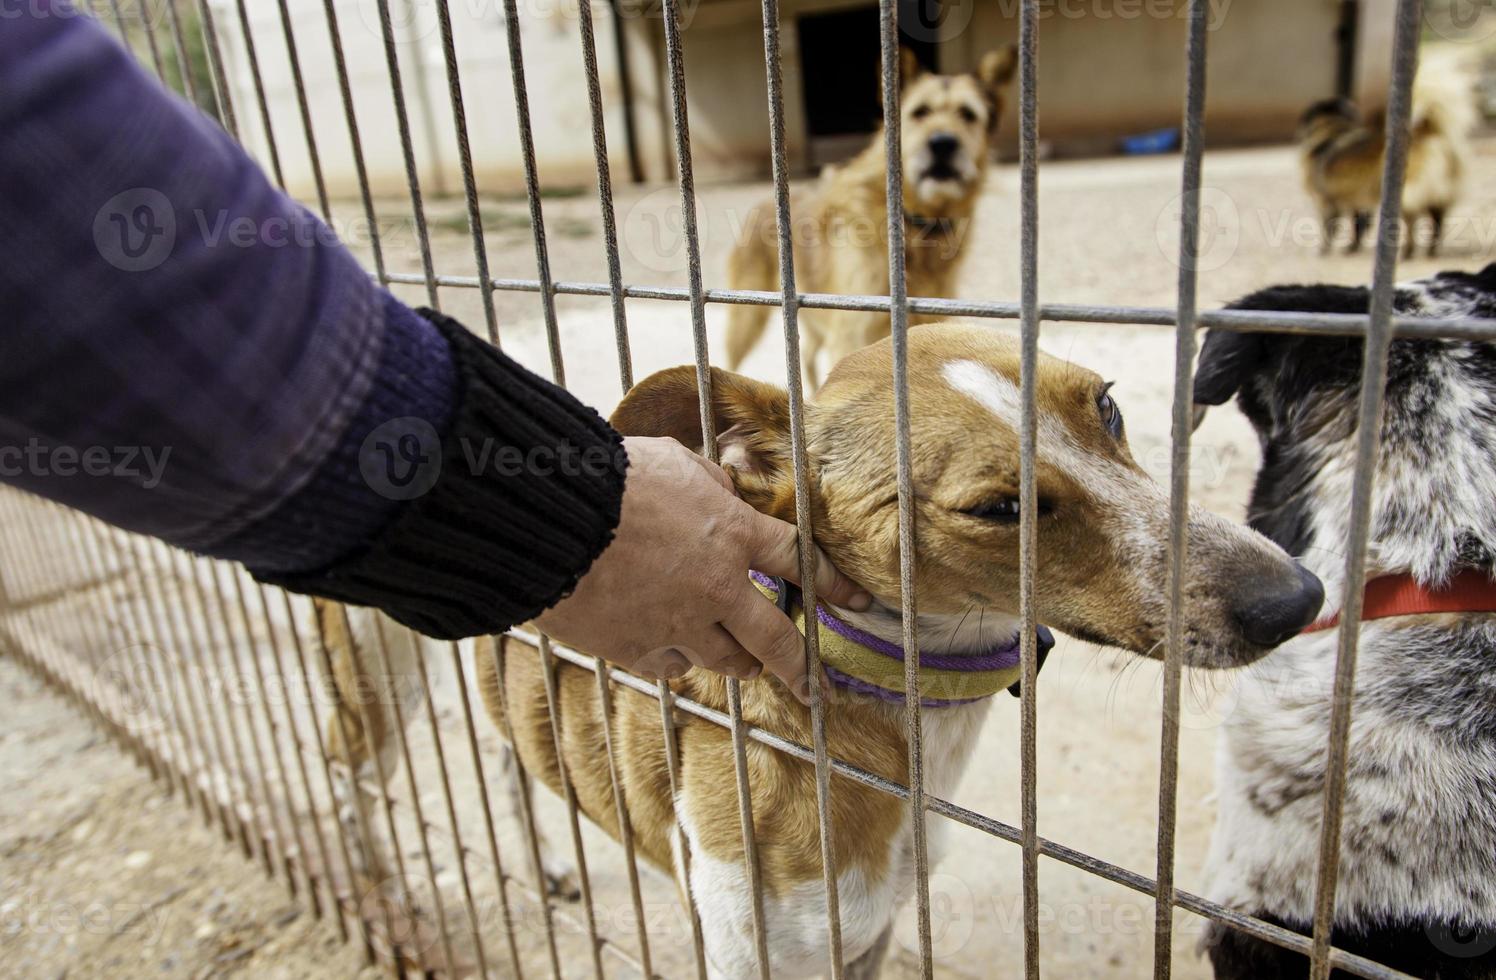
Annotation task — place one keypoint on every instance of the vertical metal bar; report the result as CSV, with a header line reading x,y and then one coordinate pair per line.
x,y
113,619
569,796
299,83
149,30
532,189
1179,484
400,734
441,768
236,774
381,777
626,381
221,91
407,149
119,24
179,48
91,613
360,816
289,705
162,699
242,651
790,309
182,626
175,656
621,811
488,824
1028,502
605,200
318,728
558,375
899,327
465,160
360,166
231,669
676,68
156,620
527,809
259,85
288,806
1368,445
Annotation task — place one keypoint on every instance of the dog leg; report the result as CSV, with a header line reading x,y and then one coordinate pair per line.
x,y
870,963
1436,215
560,877
745,325
1362,221
1328,218
1410,235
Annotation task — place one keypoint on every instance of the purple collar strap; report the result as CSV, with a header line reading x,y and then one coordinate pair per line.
x,y
859,661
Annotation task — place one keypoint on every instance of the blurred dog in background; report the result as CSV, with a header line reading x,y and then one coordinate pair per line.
x,y
1341,155
840,228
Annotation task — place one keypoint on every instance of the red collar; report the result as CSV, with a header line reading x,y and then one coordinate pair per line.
x,y
1470,591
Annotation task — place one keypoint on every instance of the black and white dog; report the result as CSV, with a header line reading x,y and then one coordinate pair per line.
x,y
1417,885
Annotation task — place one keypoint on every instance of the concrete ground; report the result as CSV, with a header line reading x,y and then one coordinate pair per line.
x,y
75,814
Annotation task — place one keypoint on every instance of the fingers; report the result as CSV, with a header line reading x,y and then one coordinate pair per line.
x,y
666,663
718,651
777,553
717,473
769,635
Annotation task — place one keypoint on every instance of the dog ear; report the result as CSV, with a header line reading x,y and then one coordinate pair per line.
x,y
909,66
752,423
909,70
1227,359
997,67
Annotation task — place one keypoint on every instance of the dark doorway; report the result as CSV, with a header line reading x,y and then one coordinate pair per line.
x,y
840,57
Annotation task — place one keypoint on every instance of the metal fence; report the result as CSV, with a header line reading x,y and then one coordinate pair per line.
x,y
257,768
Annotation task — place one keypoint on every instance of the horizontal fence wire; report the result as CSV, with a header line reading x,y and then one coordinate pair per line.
x,y
196,626
1232,321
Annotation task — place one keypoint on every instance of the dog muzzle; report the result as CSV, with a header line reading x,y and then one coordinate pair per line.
x,y
858,661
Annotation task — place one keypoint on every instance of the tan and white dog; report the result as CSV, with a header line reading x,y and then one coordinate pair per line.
x,y
1102,534
840,229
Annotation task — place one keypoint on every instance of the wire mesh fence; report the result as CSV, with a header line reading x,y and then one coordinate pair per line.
x,y
227,691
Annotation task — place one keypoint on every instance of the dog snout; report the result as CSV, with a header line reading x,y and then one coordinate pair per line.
x,y
943,146
1272,610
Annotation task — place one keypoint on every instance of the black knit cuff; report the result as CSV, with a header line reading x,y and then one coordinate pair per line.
x,y
505,511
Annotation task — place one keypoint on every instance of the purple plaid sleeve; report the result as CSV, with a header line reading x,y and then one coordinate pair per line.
x,y
184,350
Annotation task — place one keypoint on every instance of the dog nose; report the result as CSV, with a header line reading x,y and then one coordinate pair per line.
x,y
1273,610
944,145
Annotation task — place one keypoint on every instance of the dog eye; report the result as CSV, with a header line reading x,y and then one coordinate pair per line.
x,y
1003,510
968,115
920,112
1111,415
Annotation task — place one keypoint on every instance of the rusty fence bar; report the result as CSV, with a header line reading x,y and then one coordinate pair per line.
x,y
1179,486
167,653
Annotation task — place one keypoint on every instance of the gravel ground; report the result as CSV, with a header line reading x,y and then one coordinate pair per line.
x,y
81,825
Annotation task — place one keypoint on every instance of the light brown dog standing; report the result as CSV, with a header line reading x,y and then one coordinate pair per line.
x,y
840,229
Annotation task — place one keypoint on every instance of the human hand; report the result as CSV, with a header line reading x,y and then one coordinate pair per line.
x,y
672,589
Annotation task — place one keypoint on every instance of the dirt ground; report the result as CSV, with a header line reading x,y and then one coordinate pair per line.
x,y
83,829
